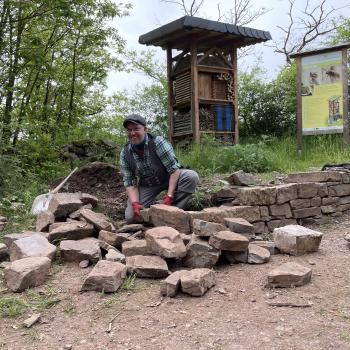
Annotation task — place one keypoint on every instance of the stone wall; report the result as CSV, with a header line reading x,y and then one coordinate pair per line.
x,y
303,198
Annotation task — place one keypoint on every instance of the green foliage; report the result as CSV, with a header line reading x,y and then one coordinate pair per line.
x,y
129,283
11,307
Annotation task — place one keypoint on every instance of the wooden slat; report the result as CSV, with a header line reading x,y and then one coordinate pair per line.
x,y
170,94
210,69
345,97
194,100
235,87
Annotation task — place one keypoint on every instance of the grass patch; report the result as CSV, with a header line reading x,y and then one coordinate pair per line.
x,y
70,307
12,307
345,336
129,283
42,300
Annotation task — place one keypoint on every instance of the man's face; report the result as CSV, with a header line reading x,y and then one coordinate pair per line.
x,y
136,132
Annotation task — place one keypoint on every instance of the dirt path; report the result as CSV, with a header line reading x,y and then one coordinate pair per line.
x,y
232,315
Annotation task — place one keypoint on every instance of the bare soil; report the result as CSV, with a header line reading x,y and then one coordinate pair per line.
x,y
234,314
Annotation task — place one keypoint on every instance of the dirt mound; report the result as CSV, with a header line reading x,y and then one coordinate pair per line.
x,y
102,180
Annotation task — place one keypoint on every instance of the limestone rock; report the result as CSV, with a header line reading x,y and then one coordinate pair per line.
x,y
99,220
70,230
147,266
136,247
296,239
83,249
290,274
197,282
171,285
240,178
200,254
106,276
44,220
205,228
166,215
257,254
27,273
62,204
113,255
240,225
4,252
34,245
228,240
165,242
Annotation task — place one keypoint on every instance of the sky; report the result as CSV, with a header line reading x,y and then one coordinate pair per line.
x,y
147,15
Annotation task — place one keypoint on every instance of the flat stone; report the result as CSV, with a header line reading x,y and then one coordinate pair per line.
x,y
106,276
218,214
228,240
76,214
306,212
272,224
136,247
235,257
227,192
165,242
83,249
186,238
205,228
32,246
171,285
87,198
314,176
300,203
269,245
257,254
296,239
281,210
27,273
62,204
70,230
11,237
197,282
286,193
290,274
315,202
99,220
166,215
112,238
259,227
147,266
113,255
200,254
29,322
240,225
258,196
328,209
131,228
241,178
4,252
44,220
309,190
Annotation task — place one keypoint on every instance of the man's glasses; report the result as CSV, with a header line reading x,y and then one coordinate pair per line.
x,y
137,129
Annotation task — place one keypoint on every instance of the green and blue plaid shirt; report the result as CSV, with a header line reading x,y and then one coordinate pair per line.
x,y
165,153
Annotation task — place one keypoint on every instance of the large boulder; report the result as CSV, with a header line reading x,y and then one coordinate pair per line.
x,y
34,245
204,228
166,215
147,266
296,239
27,273
70,230
200,253
106,276
62,204
165,242
228,240
99,220
197,282
83,249
290,274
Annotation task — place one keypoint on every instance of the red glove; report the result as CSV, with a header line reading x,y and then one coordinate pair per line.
x,y
136,207
167,200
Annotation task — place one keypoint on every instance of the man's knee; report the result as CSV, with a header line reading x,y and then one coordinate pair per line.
x,y
188,181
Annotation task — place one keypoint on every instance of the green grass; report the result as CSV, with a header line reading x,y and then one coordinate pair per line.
x,y
129,283
12,307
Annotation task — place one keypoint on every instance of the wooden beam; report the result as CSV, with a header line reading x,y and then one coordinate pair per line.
x,y
170,95
299,107
194,87
235,102
345,97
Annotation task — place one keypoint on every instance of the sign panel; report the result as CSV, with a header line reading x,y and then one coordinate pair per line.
x,y
322,93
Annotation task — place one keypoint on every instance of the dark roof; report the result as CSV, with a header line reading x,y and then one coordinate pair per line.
x,y
324,49
207,34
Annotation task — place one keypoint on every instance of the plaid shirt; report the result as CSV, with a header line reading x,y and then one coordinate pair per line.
x,y
165,153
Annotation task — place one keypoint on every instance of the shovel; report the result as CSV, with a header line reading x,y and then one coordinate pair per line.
x,y
41,202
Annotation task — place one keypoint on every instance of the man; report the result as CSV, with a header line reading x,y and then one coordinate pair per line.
x,y
149,166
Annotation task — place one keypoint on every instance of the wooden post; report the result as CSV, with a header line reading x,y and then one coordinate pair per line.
x,y
345,97
299,108
170,94
194,99
235,102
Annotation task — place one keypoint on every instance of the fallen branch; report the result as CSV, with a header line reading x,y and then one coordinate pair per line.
x,y
287,304
111,322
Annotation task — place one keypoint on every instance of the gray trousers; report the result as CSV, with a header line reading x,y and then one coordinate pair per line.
x,y
186,186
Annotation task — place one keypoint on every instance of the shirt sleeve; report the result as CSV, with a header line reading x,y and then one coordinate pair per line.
x,y
166,154
129,179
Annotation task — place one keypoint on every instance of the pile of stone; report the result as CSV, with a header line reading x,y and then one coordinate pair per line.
x,y
168,237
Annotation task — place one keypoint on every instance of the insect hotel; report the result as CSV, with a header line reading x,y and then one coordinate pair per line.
x,y
202,76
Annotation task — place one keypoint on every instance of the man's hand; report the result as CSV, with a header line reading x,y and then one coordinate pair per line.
x,y
167,200
136,207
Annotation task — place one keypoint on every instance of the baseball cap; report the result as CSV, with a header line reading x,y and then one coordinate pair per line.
x,y
134,118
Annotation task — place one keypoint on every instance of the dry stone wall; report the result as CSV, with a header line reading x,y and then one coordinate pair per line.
x,y
303,198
